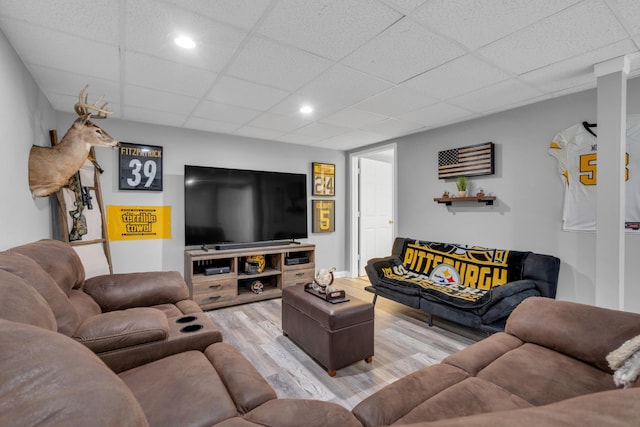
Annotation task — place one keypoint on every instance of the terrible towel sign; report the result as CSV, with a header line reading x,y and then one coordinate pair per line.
x,y
139,222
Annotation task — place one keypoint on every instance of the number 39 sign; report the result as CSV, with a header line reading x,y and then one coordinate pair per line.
x,y
140,167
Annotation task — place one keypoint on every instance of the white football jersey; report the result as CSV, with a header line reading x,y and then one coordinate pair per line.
x,y
575,148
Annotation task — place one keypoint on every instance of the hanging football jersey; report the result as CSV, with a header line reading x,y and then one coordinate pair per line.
x,y
575,149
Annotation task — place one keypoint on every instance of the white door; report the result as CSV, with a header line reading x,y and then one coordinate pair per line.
x,y
376,210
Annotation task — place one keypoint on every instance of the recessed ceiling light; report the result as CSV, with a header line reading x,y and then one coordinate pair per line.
x,y
306,109
185,42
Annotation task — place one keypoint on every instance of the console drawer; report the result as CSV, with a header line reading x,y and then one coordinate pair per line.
x,y
298,277
223,285
207,298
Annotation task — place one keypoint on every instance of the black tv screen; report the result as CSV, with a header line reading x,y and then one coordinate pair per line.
x,y
243,206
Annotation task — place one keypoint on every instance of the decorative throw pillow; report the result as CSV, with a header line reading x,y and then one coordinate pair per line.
x,y
625,361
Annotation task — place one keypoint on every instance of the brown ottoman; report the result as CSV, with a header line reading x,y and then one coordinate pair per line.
x,y
336,335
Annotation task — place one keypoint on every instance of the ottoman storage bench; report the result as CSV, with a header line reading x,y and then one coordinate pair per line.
x,y
336,335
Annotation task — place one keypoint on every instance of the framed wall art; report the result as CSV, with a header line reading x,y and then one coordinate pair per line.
x,y
324,216
473,160
324,179
140,167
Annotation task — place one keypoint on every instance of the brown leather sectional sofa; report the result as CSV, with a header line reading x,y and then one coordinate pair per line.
x,y
126,319
547,368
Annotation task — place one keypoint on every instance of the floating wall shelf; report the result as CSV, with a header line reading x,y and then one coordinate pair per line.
x,y
449,200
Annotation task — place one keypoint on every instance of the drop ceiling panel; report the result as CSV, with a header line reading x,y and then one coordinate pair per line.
x,y
49,48
240,13
279,122
144,115
460,76
408,49
496,97
152,26
392,127
576,71
396,101
54,81
479,22
329,28
349,140
322,130
404,5
278,65
340,87
211,125
225,113
629,13
157,73
353,118
156,100
584,27
240,93
438,113
92,20
260,133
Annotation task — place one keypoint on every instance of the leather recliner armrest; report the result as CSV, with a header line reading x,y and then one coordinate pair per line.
x,y
122,291
124,328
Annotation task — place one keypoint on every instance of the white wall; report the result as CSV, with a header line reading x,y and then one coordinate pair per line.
x,y
25,119
527,213
182,146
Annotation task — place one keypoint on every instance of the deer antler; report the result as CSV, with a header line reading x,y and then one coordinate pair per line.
x,y
82,107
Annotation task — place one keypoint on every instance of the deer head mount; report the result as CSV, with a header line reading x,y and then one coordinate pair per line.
x,y
51,167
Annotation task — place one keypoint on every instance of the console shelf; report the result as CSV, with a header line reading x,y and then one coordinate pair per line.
x,y
449,200
233,287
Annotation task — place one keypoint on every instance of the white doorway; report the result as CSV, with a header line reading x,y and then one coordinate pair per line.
x,y
373,205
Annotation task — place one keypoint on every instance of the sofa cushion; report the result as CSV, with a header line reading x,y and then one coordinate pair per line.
x,y
541,375
610,408
399,398
481,354
66,317
247,387
537,321
49,379
58,259
468,397
298,412
192,391
83,305
21,303
124,328
122,291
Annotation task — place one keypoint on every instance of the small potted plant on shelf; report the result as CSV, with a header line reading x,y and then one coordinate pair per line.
x,y
445,194
461,184
480,193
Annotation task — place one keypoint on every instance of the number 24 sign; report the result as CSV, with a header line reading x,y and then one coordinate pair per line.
x,y
140,167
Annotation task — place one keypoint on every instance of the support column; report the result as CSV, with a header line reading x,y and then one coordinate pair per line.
x,y
610,250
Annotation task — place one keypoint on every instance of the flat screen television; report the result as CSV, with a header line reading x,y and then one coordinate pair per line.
x,y
237,206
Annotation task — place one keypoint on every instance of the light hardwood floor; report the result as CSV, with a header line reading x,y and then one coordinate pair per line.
x,y
404,343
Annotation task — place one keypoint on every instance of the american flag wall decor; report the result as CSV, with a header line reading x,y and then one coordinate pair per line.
x,y
472,160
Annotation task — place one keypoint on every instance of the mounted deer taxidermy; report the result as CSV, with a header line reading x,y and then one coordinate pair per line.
x,y
51,167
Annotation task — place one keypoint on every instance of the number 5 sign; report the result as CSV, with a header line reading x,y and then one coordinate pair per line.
x,y
140,167
324,216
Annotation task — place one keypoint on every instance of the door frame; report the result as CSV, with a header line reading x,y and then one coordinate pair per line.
x,y
354,208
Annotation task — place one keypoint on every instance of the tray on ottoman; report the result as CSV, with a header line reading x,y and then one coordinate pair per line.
x,y
335,335
333,297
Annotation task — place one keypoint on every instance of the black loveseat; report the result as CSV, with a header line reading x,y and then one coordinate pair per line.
x,y
470,285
